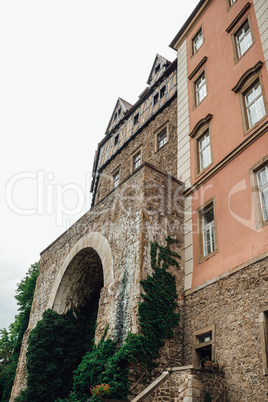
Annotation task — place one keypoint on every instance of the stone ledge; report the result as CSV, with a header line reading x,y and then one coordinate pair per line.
x,y
181,368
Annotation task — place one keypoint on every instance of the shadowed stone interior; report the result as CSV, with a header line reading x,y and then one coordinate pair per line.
x,y
82,280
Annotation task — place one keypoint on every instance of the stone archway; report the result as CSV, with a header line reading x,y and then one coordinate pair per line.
x,y
82,280
87,268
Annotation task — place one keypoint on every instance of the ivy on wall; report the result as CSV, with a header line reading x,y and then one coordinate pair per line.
x,y
55,348
58,348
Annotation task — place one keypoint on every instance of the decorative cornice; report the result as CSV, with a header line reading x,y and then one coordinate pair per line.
x,y
199,65
224,162
246,75
237,18
199,124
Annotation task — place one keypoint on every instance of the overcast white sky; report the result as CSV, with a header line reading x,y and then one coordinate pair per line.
x,y
63,65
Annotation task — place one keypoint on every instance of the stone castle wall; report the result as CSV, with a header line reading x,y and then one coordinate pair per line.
x,y
232,304
119,230
164,159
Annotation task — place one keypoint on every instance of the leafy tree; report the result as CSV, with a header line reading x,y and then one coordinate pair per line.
x,y
10,340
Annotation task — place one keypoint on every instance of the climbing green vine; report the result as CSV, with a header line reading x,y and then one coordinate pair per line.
x,y
108,362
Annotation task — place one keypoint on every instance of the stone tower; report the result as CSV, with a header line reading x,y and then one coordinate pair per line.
x,y
136,199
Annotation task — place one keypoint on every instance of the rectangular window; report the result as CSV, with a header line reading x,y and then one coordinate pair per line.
x,y
262,179
162,138
208,230
136,160
116,139
156,98
243,39
254,104
200,88
204,151
157,68
116,179
258,174
203,346
163,91
136,118
197,41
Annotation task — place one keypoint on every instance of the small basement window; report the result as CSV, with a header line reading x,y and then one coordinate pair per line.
x,y
203,346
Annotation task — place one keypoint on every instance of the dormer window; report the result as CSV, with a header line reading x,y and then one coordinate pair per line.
x,y
157,68
117,114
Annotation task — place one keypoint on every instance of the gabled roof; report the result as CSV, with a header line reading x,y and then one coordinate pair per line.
x,y
120,109
160,63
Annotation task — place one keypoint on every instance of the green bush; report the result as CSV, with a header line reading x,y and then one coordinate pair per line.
x,y
55,348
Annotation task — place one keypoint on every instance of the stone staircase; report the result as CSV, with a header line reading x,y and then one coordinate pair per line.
x,y
184,384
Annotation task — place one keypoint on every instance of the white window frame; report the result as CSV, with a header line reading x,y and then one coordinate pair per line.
x,y
116,179
263,189
204,152
197,41
200,88
136,160
245,40
256,104
208,232
162,138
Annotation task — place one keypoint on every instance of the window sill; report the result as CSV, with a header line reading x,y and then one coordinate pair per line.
x,y
205,258
247,131
237,59
197,175
196,106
